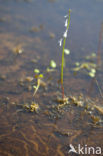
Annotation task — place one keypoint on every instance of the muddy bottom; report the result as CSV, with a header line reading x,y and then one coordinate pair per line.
x,y
53,127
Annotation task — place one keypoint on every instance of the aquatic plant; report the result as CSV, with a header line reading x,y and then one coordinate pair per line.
x,y
63,40
89,68
39,76
52,66
33,107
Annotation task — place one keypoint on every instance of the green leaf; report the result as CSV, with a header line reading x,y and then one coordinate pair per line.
x,y
36,71
76,69
50,70
52,64
41,76
77,63
93,70
91,74
34,87
67,51
93,54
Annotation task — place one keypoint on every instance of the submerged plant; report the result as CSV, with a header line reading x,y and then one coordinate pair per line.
x,y
63,40
33,107
89,68
51,67
39,76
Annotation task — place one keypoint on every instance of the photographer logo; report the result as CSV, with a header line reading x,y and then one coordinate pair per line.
x,y
85,149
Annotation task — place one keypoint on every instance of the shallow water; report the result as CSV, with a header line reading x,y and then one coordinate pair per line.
x,y
34,27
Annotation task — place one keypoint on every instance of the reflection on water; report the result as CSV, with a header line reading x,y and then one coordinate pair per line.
x,y
29,32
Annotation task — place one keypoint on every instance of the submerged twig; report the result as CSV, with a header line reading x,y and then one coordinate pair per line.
x,y
99,88
99,46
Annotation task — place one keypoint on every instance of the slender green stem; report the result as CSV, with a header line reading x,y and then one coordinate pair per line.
x,y
62,65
